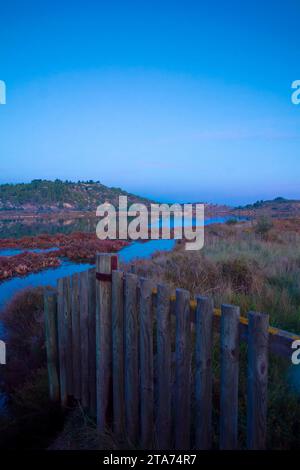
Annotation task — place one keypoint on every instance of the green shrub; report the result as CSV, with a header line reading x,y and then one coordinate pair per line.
x,y
263,225
231,222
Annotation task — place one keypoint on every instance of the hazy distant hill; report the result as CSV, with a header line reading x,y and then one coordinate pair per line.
x,y
278,207
58,195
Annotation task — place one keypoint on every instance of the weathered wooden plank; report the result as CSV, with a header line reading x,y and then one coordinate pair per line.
x,y
103,341
146,364
131,359
68,323
163,415
229,377
257,381
76,335
84,337
203,378
92,339
61,344
183,370
50,309
280,341
118,353
64,339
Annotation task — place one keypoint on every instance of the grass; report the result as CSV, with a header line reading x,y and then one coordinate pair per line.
x,y
257,271
239,265
32,419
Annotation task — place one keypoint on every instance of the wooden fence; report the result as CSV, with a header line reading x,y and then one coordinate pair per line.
x,y
140,359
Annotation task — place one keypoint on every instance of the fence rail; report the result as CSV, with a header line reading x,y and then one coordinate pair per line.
x,y
110,345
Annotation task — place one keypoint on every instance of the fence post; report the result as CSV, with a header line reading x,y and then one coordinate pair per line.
x,y
50,309
146,363
104,338
118,353
84,336
229,376
76,336
164,364
92,339
65,339
203,378
257,382
131,359
183,370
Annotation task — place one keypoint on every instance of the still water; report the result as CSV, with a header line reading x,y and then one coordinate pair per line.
x,y
49,277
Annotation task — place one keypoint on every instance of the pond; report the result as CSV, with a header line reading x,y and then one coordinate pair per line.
x,y
17,251
49,277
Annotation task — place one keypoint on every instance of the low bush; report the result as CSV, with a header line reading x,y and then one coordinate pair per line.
x,y
23,320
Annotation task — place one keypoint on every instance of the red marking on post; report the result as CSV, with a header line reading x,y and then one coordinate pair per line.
x,y
114,262
108,277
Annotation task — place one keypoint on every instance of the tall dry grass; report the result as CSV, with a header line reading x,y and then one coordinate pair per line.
x,y
257,271
239,266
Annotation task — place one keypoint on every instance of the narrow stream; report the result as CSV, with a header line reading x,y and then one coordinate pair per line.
x,y
49,277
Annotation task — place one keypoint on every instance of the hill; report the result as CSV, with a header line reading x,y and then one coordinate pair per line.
x,y
278,207
44,195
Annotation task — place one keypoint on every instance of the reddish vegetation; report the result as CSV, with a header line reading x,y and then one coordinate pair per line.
x,y
81,249
78,246
26,263
59,240
287,225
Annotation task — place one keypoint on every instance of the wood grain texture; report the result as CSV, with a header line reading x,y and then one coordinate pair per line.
x,y
131,359
203,378
64,322
68,323
163,413
229,377
103,343
84,337
146,363
61,343
257,381
118,353
50,310
183,370
76,336
92,339
280,341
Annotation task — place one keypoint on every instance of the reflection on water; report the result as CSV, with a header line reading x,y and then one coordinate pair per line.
x,y
49,276
31,226
144,250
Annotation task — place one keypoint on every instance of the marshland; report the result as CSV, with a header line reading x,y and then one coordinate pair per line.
x,y
251,263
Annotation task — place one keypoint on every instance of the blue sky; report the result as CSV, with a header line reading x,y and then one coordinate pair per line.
x,y
175,100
